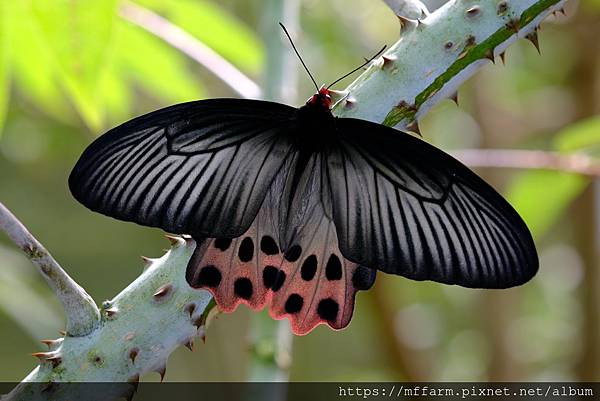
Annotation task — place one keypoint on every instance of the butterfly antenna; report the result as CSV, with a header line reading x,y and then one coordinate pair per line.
x,y
357,68
298,54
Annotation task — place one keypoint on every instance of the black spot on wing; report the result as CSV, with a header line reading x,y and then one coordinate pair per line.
x,y
309,268
333,269
209,276
246,251
279,281
268,245
293,254
269,276
294,303
222,244
328,309
243,288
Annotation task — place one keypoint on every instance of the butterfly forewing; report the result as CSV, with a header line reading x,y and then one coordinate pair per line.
x,y
200,168
405,207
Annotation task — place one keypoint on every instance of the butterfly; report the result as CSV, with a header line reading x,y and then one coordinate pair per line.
x,y
298,209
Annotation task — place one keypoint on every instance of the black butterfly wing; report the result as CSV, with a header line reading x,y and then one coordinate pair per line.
x,y
200,168
402,206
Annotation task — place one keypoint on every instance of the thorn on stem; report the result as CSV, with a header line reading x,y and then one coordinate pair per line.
x,y
189,241
162,371
414,127
190,309
54,358
163,292
175,240
146,261
336,95
533,38
473,12
388,61
454,97
42,356
349,103
133,353
200,321
403,105
52,344
513,25
403,21
111,312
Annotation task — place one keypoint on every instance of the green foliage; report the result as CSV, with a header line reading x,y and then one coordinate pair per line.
x,y
4,48
80,61
541,197
214,27
78,34
583,136
142,58
31,64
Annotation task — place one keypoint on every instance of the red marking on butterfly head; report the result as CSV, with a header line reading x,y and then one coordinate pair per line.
x,y
320,100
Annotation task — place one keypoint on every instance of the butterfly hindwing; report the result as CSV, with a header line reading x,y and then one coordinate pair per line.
x,y
303,276
200,168
402,206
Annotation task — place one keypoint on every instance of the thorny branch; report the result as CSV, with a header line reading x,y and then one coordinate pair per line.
x,y
82,314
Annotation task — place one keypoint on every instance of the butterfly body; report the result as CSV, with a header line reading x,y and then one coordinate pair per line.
x,y
297,209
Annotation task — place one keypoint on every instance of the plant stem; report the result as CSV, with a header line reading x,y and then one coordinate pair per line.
x,y
82,314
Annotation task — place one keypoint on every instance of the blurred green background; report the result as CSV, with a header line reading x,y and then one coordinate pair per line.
x,y
70,69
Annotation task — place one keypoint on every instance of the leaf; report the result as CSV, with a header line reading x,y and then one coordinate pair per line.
x,y
4,66
541,196
78,33
117,95
31,64
582,135
158,68
214,27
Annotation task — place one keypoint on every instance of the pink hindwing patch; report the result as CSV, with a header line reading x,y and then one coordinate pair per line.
x,y
310,283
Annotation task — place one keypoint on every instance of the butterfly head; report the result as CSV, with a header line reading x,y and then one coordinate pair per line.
x,y
320,100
